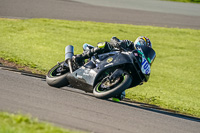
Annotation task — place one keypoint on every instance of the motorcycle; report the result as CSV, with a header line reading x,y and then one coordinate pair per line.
x,y
105,75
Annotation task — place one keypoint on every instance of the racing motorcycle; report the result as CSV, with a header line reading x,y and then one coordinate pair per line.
x,y
105,75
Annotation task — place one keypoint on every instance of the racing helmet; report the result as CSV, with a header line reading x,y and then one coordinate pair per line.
x,y
142,40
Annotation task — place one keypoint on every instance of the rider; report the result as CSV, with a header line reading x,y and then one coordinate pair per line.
x,y
104,47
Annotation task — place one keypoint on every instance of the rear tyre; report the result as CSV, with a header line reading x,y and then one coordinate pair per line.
x,y
56,76
106,89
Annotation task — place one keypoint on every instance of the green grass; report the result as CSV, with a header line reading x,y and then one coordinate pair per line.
x,y
175,79
188,1
17,123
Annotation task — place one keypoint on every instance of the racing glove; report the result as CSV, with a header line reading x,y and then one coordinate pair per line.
x,y
115,42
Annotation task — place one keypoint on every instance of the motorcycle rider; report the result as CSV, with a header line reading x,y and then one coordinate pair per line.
x,y
104,47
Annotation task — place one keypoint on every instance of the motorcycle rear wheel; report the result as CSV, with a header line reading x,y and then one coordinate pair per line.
x,y
56,77
115,88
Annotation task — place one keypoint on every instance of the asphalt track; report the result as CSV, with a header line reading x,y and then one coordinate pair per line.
x,y
71,108
75,109
190,9
143,12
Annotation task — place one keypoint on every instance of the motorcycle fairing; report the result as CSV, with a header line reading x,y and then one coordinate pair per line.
x,y
145,60
82,78
85,77
145,65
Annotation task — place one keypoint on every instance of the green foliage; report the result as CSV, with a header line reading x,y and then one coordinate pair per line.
x,y
12,123
174,82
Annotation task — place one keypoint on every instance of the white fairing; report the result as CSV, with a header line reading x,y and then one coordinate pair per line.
x,y
145,66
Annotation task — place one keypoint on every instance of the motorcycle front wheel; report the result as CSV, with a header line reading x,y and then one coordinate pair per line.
x,y
107,89
56,76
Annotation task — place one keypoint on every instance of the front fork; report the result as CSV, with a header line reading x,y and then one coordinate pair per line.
x,y
116,74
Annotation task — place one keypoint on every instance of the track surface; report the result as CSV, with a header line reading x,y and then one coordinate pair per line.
x,y
75,109
190,9
143,12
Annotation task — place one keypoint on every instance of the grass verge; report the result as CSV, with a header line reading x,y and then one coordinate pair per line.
x,y
188,1
17,123
175,79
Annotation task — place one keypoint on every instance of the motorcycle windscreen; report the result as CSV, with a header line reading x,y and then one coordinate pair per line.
x,y
149,53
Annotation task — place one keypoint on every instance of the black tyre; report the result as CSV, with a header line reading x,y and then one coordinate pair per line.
x,y
56,76
106,89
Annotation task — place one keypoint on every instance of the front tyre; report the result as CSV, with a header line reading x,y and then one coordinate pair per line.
x,y
108,89
56,76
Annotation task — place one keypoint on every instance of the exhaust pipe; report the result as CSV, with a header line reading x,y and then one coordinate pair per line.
x,y
69,53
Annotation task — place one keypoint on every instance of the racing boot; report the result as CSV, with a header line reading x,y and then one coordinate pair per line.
x,y
87,47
